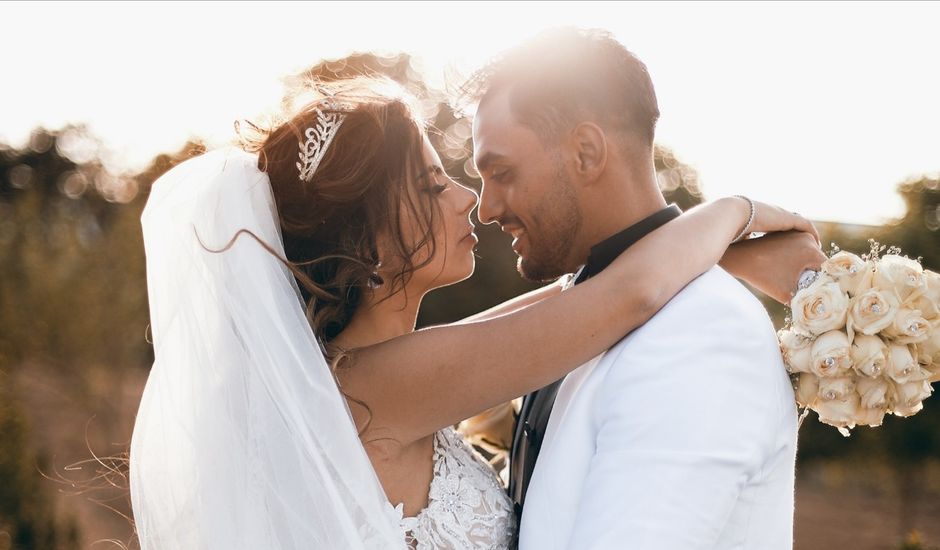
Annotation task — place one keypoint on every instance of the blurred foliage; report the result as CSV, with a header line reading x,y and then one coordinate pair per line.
x,y
27,513
73,299
73,287
915,542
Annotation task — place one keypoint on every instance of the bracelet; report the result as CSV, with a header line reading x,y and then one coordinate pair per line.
x,y
747,227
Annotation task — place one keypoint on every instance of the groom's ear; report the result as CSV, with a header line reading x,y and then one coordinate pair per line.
x,y
590,144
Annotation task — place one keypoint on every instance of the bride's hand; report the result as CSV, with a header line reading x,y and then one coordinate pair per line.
x,y
773,219
773,263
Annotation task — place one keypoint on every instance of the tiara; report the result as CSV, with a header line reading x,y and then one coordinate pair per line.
x,y
319,136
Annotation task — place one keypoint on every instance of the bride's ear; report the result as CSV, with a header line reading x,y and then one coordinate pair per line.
x,y
590,145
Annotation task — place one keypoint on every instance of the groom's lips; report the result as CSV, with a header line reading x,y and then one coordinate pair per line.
x,y
517,231
517,240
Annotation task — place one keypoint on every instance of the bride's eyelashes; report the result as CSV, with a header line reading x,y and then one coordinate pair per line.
x,y
439,182
435,188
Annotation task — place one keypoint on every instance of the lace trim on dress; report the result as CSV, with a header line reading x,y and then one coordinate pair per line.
x,y
467,508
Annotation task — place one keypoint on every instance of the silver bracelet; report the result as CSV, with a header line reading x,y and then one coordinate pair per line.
x,y
747,227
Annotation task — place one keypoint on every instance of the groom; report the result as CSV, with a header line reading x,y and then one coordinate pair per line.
x,y
682,435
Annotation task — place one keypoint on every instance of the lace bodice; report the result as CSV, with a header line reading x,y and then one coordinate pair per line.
x,y
468,508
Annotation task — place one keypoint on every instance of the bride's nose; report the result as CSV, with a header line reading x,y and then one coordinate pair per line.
x,y
471,200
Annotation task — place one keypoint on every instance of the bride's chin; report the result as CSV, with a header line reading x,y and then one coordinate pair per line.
x,y
466,270
471,265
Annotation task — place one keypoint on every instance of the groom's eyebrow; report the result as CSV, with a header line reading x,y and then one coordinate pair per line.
x,y
487,159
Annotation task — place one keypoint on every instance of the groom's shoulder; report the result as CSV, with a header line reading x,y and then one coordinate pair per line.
x,y
714,302
718,296
714,317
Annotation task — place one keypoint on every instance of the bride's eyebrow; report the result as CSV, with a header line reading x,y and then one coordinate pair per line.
x,y
432,169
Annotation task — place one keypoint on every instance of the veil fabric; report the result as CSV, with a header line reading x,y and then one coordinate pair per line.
x,y
242,440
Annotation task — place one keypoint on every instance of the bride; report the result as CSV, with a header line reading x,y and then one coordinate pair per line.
x,y
293,405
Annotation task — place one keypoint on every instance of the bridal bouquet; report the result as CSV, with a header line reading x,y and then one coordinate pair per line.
x,y
863,339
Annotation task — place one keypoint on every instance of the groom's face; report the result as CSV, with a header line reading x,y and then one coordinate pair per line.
x,y
527,190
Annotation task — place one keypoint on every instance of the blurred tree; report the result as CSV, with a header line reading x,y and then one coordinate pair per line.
x,y
73,307
910,443
918,231
27,514
72,286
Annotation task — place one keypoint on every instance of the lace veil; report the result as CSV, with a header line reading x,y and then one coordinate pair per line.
x,y
242,440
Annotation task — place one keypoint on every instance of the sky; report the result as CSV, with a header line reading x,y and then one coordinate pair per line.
x,y
822,108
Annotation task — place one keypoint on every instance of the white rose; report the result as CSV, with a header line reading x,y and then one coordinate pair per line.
x,y
902,367
868,355
841,414
927,298
874,392
847,269
807,389
908,411
934,373
836,388
872,311
931,346
928,354
831,354
820,308
796,350
908,327
899,275
910,396
870,417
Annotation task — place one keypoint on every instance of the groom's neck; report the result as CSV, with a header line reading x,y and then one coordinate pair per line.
x,y
624,200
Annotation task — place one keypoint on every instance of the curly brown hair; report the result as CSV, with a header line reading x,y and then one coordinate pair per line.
x,y
363,188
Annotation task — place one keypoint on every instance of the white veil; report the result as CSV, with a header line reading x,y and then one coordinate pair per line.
x,y
242,440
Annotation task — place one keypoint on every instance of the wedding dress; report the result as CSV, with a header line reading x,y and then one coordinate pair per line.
x,y
242,439
468,508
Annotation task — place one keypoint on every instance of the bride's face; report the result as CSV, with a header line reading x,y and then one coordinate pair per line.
x,y
453,254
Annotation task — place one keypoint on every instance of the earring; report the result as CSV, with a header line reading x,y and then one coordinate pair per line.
x,y
376,280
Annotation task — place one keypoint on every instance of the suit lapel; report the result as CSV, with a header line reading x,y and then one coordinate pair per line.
x,y
530,431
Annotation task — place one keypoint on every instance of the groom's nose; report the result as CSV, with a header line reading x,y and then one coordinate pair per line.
x,y
491,205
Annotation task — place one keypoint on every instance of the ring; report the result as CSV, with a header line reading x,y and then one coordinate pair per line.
x,y
807,278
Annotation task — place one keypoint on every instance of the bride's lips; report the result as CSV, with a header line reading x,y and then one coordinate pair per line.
x,y
471,235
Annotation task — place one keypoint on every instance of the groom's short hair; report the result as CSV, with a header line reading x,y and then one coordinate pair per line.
x,y
567,75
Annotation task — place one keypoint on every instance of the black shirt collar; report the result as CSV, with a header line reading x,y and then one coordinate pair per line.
x,y
605,252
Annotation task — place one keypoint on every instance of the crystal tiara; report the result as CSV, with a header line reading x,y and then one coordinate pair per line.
x,y
319,136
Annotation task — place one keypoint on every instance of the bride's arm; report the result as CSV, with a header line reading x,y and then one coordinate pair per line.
x,y
517,303
773,263
418,383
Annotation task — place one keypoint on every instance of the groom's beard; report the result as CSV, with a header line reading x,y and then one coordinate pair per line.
x,y
557,222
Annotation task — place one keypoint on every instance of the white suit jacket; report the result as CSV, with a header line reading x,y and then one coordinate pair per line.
x,y
682,436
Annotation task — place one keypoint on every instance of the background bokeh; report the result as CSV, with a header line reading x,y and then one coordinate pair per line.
x,y
74,351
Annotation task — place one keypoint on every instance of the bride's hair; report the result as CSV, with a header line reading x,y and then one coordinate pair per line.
x,y
358,194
